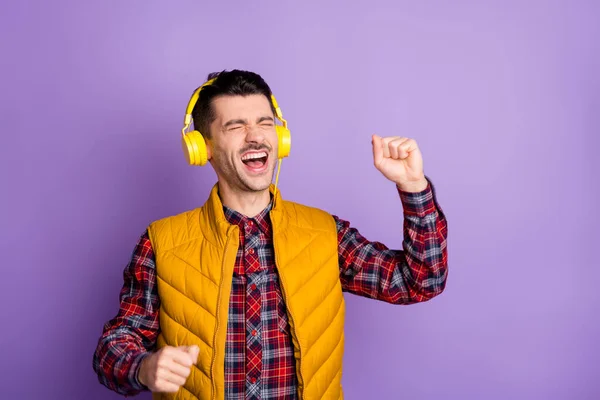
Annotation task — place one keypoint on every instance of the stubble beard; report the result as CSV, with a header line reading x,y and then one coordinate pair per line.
x,y
237,179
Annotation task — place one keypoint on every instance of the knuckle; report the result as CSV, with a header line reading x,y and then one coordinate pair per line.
x,y
162,353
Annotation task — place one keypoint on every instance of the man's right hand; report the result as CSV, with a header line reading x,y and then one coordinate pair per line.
x,y
167,370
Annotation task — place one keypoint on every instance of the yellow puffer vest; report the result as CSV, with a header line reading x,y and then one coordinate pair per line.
x,y
195,255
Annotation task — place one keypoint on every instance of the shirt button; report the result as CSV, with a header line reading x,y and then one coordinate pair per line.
x,y
253,380
254,332
253,287
251,251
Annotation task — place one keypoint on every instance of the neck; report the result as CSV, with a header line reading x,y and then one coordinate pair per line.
x,y
246,203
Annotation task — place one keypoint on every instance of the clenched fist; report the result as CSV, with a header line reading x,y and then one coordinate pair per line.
x,y
168,368
399,160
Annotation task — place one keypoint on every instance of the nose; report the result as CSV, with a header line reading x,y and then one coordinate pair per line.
x,y
254,134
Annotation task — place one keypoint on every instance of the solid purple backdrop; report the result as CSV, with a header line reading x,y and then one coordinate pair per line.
x,y
503,99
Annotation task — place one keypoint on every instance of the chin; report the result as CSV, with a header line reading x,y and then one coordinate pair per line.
x,y
257,184
256,181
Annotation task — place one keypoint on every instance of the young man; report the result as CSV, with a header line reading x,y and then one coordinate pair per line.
x,y
242,298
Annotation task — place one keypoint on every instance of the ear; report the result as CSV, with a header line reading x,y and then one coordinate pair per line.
x,y
208,149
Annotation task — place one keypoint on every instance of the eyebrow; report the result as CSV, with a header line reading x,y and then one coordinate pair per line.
x,y
243,121
262,119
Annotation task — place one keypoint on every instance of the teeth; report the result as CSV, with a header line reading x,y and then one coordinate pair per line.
x,y
252,156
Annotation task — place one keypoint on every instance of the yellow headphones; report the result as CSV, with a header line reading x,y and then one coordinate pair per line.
x,y
194,145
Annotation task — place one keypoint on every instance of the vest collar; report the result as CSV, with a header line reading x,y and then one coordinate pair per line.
x,y
218,228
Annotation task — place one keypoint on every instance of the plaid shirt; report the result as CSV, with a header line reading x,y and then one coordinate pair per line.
x,y
259,357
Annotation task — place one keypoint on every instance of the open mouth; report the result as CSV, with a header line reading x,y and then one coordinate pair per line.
x,y
255,161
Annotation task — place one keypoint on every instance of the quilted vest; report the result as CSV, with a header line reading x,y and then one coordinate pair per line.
x,y
195,254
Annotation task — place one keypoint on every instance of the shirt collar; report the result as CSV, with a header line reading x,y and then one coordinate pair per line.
x,y
262,219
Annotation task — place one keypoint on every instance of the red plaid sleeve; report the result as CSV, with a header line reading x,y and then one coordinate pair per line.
x,y
131,334
414,274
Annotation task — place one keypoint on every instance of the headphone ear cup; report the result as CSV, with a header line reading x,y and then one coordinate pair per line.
x,y
284,138
194,148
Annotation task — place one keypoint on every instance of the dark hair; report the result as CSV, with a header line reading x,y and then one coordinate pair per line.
x,y
227,83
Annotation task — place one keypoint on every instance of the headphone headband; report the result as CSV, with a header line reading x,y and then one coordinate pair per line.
x,y
194,99
192,103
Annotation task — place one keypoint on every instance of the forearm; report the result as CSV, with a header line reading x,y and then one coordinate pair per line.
x,y
117,359
414,274
131,334
424,262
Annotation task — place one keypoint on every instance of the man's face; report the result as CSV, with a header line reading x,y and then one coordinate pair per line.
x,y
244,142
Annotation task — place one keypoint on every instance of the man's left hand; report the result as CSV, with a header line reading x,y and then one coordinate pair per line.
x,y
399,160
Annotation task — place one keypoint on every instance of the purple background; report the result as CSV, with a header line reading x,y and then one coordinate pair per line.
x,y
503,98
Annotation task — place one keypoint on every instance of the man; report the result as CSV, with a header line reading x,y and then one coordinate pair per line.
x,y
242,298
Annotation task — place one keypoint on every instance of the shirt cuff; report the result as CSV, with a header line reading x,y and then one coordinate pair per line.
x,y
419,204
134,371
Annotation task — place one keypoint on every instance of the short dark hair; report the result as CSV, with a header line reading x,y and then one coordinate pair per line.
x,y
227,83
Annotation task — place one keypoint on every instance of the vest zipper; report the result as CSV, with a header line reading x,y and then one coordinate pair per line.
x,y
218,322
283,291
